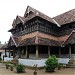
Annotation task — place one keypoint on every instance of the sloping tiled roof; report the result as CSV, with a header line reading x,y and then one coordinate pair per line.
x,y
39,41
13,41
17,21
37,13
70,38
39,34
45,41
65,18
28,41
33,38
30,16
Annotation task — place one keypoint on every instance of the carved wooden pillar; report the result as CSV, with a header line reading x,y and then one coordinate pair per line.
x,y
27,52
37,52
48,50
9,53
69,51
14,53
5,53
19,53
59,52
74,48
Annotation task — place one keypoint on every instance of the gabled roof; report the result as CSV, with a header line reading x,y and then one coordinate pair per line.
x,y
34,13
18,20
70,39
29,14
66,17
13,41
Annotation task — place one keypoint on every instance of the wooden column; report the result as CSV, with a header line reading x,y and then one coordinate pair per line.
x,y
74,48
69,51
59,52
37,52
9,53
14,53
27,52
48,50
5,53
19,53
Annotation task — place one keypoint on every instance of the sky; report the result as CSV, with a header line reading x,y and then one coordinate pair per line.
x,y
9,9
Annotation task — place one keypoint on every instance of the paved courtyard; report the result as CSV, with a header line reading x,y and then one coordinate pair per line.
x,y
66,71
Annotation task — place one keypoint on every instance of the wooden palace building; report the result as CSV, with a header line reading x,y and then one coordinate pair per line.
x,y
38,36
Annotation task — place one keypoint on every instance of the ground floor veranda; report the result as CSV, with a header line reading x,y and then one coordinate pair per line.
x,y
38,54
41,51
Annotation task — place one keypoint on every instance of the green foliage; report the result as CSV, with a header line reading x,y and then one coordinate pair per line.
x,y
8,62
20,68
0,59
51,63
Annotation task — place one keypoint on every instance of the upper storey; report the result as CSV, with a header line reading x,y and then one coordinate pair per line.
x,y
66,22
32,21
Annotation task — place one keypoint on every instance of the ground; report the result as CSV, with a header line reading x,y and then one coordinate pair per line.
x,y
65,71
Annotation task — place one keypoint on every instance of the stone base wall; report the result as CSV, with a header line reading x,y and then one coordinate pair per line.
x,y
39,62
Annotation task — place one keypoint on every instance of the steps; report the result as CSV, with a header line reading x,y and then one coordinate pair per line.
x,y
71,64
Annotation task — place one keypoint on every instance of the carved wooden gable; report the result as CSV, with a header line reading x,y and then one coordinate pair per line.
x,y
11,43
17,21
29,12
71,39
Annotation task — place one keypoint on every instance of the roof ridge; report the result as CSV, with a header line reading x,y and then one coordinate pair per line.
x,y
65,12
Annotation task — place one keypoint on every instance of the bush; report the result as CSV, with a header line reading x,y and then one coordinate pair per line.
x,y
51,63
20,68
